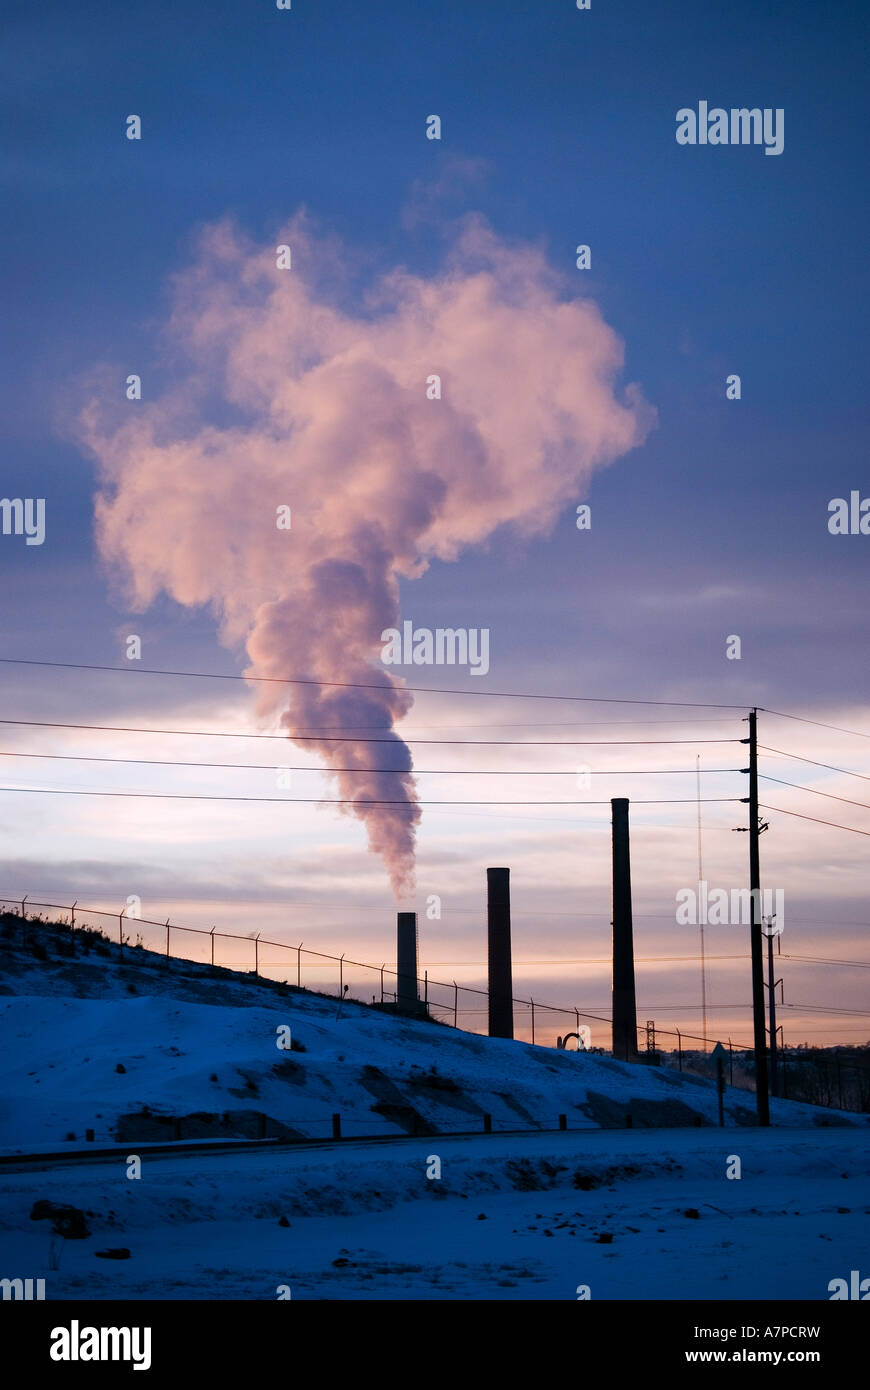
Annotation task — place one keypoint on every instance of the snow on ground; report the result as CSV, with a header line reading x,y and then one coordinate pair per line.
x,y
127,1049
516,1217
142,1052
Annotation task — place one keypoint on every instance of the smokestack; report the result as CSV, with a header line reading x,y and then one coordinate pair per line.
x,y
498,910
407,998
624,1006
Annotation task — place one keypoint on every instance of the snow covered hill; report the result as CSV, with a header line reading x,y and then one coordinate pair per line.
x,y
138,1050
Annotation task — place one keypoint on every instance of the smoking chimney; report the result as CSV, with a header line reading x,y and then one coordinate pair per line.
x,y
498,909
407,998
624,1006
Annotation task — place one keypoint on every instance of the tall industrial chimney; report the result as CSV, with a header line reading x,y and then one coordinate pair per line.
x,y
498,912
407,997
624,1006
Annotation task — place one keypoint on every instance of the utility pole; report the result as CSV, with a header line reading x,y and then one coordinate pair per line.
x,y
771,1002
700,878
761,1098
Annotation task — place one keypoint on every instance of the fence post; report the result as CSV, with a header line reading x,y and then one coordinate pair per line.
x,y
680,1049
455,1004
72,918
299,965
563,1121
577,1020
121,931
532,1002
730,1064
382,982
426,990
167,941
341,976
211,934
336,1126
257,954
23,901
487,1124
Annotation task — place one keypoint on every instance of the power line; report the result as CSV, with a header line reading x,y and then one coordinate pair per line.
x,y
815,791
822,1028
360,685
675,1008
543,724
817,722
830,767
321,730
321,801
823,960
396,738
401,772
827,1009
783,812
828,922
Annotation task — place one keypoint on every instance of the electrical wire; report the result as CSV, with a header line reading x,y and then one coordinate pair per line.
x,y
865,777
360,685
401,772
815,792
835,824
801,719
349,738
352,801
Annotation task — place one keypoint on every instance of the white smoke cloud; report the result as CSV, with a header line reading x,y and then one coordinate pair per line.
x,y
285,399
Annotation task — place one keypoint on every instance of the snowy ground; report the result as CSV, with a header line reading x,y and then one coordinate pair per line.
x,y
129,1049
366,1222
144,1053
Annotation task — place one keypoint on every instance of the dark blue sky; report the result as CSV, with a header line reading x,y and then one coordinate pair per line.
x,y
705,260
558,126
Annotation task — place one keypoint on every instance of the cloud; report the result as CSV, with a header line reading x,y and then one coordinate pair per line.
x,y
681,600
285,399
429,198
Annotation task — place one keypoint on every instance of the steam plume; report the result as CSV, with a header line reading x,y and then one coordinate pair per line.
x,y
285,399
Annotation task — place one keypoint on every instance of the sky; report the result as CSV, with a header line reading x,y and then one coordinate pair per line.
x,y
560,386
